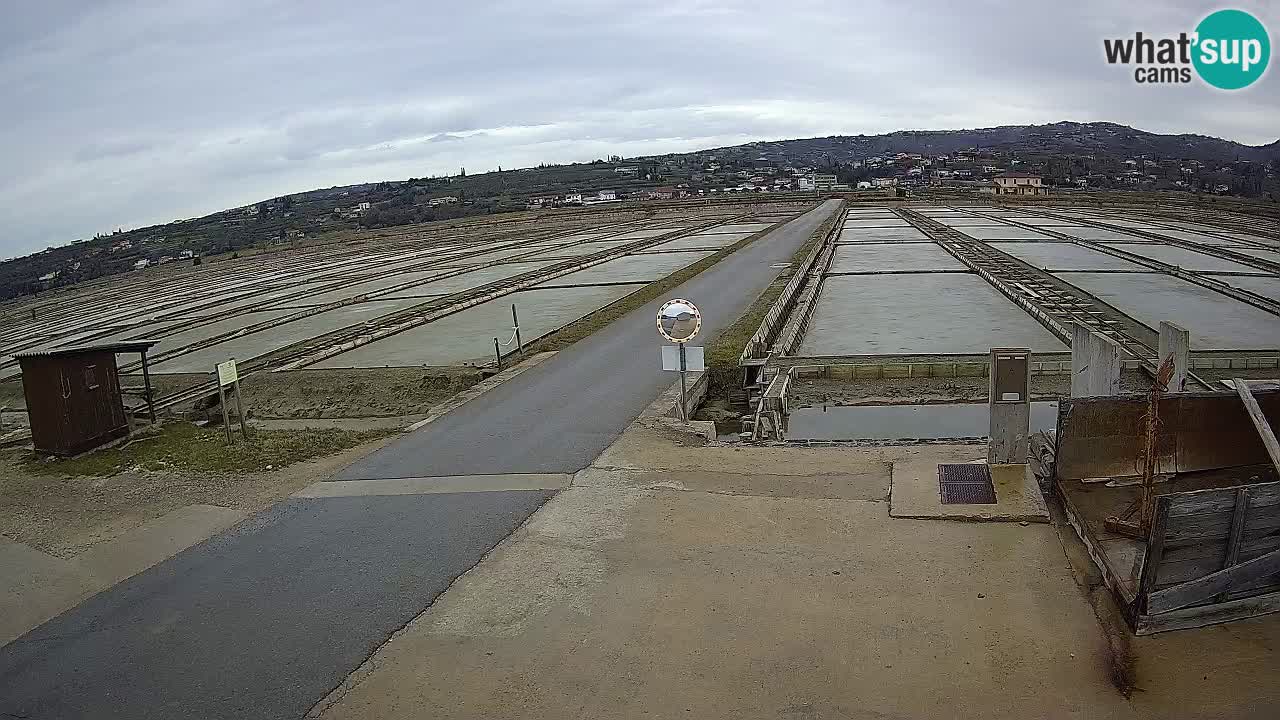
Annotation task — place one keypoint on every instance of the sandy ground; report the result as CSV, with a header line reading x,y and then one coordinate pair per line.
x,y
676,579
718,581
64,516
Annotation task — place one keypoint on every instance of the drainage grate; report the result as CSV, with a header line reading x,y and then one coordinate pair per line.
x,y
966,484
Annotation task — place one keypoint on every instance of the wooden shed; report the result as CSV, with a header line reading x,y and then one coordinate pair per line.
x,y
74,398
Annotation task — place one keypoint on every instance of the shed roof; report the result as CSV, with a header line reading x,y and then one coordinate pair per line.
x,y
129,346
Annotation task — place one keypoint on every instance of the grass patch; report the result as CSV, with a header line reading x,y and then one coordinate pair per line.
x,y
725,351
183,447
588,324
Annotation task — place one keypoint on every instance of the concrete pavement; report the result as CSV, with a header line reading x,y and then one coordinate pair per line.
x,y
264,619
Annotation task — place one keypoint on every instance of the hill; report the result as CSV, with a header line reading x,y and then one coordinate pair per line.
x,y
1105,155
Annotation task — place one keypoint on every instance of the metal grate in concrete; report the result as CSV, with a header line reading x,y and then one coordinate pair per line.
x,y
966,484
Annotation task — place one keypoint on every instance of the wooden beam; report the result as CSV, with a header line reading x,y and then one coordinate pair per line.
x,y
1203,615
1155,548
1237,532
1259,421
1194,591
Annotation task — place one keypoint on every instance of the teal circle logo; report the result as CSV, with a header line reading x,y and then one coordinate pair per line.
x,y
1232,49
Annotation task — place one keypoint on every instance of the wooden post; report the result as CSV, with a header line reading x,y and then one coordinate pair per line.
x,y
1259,421
1175,341
497,353
1237,533
146,383
244,431
516,321
1095,364
226,419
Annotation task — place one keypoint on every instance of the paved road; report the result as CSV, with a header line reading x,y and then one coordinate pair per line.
x,y
265,619
561,415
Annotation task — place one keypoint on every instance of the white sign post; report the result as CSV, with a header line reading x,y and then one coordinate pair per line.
x,y
229,376
679,321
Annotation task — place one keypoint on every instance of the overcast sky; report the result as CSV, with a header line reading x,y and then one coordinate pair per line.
x,y
126,113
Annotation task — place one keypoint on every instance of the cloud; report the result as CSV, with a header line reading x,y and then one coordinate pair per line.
x,y
133,112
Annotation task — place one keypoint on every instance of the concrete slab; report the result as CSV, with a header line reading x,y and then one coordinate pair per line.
x,y
914,493
579,249
1040,221
880,234
624,603
1087,232
204,332
1184,258
1272,255
36,587
467,337
1003,232
1066,256
1216,321
362,288
1264,286
245,347
472,279
735,228
631,268
634,235
1193,236
900,256
702,241
962,221
925,313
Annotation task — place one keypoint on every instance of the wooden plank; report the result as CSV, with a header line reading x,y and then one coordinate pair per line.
x,y
1259,421
1194,591
1203,615
1155,549
1249,548
1237,533
1222,500
1218,526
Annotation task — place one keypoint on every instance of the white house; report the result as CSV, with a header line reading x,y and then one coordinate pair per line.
x,y
804,182
864,185
607,195
1016,183
573,199
141,264
824,182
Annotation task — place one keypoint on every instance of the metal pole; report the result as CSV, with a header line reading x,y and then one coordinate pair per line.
x,y
516,321
497,353
684,410
226,419
244,431
146,383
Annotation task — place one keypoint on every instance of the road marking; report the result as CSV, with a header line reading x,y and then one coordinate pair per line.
x,y
439,484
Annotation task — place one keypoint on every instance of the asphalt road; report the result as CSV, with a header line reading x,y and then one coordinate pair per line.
x,y
263,620
559,416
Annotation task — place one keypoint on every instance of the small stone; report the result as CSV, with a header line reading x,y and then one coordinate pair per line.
x,y
1023,523
980,595
835,572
